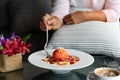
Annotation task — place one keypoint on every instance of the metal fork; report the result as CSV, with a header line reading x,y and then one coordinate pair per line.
x,y
45,46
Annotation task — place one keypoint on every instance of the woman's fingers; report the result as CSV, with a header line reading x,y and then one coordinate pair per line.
x,y
68,20
44,22
52,22
42,27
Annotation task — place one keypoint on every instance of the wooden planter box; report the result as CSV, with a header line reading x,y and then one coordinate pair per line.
x,y
10,63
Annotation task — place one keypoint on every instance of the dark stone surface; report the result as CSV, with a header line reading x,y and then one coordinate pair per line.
x,y
31,72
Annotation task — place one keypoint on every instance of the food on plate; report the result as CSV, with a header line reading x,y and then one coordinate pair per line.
x,y
60,53
61,56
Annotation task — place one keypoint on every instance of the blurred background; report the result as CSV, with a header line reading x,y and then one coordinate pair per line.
x,y
23,17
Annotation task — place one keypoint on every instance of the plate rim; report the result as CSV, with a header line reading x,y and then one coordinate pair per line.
x,y
61,68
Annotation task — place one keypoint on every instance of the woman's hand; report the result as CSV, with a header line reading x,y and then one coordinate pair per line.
x,y
82,16
53,23
75,18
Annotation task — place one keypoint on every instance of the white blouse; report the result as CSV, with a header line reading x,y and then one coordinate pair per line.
x,y
111,8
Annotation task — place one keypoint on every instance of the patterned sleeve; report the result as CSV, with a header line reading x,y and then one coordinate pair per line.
x,y
60,8
112,10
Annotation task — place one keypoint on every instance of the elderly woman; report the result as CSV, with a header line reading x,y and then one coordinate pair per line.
x,y
87,25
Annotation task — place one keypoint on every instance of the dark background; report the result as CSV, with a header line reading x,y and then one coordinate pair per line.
x,y
23,17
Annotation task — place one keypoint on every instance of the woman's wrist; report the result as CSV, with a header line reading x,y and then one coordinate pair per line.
x,y
84,16
94,16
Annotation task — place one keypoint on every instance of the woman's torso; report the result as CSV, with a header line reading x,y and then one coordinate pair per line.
x,y
92,4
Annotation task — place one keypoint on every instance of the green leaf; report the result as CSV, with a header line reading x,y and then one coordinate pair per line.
x,y
26,38
1,47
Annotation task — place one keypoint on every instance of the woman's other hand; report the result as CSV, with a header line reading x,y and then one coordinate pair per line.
x,y
82,16
75,18
52,22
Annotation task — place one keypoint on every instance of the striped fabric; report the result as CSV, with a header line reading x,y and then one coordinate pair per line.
x,y
92,37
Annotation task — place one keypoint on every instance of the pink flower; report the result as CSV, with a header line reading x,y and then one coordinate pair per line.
x,y
24,48
14,45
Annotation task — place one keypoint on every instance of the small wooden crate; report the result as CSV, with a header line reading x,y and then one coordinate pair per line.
x,y
10,63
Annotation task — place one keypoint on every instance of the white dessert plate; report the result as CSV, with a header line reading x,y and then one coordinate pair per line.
x,y
85,60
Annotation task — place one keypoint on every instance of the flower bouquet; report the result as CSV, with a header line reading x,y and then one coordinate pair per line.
x,y
11,51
